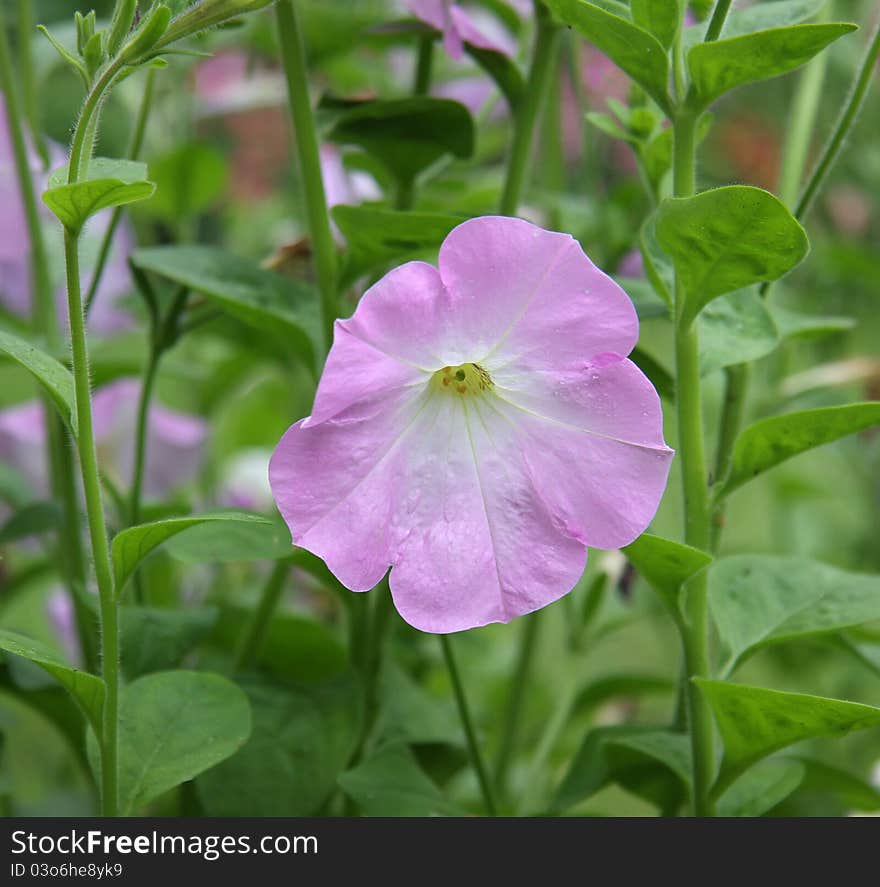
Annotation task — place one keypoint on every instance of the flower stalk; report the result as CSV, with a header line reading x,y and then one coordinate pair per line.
x,y
543,54
293,57
695,624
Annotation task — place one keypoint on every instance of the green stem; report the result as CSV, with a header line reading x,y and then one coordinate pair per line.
x,y
716,23
293,58
424,64
695,625
88,458
86,128
543,52
466,722
510,730
801,122
134,149
736,386
140,447
255,631
60,462
843,126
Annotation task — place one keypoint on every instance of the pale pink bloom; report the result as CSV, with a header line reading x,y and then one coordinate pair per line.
x,y
632,264
175,441
457,27
245,483
228,83
59,609
15,284
476,426
342,185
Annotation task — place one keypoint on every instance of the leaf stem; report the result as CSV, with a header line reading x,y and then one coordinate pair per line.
x,y
466,722
255,632
716,23
843,126
510,730
695,625
134,149
293,58
88,458
543,52
424,64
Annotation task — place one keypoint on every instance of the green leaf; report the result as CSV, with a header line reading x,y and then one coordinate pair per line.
x,y
232,542
407,135
287,309
658,17
610,127
734,329
376,236
106,183
726,239
614,686
658,268
853,792
660,377
795,324
189,179
301,741
131,546
632,49
652,763
410,714
771,441
391,783
666,565
30,520
758,600
755,722
156,639
757,17
55,378
760,789
722,65
86,689
502,70
174,725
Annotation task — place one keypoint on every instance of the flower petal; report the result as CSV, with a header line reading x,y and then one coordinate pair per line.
x,y
476,543
335,483
594,447
405,315
521,293
469,32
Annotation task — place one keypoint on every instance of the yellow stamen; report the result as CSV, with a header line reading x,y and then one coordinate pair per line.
x,y
465,379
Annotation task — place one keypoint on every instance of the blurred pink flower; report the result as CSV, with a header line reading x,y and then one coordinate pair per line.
x,y
175,441
476,426
15,285
59,610
457,27
632,264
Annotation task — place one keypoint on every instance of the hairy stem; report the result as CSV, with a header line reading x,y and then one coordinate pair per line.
x,y
468,725
543,52
134,150
293,58
88,458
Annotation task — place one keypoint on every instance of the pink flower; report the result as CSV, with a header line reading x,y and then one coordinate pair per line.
x,y
175,441
456,26
476,426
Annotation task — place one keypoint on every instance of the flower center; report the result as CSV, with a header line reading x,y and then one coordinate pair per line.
x,y
466,378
